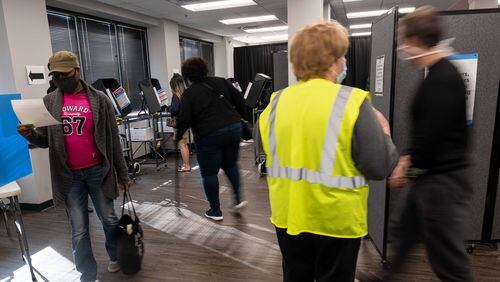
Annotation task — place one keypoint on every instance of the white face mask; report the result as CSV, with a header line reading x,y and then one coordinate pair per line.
x,y
342,74
407,52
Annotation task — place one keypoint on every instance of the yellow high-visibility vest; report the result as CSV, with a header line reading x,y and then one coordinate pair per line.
x,y
314,185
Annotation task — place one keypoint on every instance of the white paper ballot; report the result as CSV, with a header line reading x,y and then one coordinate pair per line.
x,y
33,111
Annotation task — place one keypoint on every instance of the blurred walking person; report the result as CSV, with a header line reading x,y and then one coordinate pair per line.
x,y
438,201
212,108
323,142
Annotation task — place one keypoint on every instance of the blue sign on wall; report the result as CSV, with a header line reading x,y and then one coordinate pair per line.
x,y
15,161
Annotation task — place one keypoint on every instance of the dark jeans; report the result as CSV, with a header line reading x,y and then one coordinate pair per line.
x,y
215,151
88,182
310,257
436,210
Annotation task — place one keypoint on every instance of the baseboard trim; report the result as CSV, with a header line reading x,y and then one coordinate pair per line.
x,y
37,207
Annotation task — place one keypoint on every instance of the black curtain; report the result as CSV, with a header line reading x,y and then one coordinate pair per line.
x,y
358,62
250,60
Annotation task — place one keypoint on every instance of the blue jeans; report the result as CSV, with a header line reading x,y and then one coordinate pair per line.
x,y
88,182
219,150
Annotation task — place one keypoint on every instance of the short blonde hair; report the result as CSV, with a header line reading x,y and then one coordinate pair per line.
x,y
315,48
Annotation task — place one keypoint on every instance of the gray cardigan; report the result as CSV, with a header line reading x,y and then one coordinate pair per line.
x,y
106,136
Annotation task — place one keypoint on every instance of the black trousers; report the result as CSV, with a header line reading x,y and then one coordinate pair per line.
x,y
310,257
435,211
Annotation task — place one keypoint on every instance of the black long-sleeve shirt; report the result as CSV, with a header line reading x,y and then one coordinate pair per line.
x,y
202,110
439,130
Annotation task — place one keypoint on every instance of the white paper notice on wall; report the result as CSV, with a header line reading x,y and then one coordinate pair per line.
x,y
379,76
467,66
35,74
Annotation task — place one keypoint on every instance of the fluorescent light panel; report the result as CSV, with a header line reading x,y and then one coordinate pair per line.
x,y
361,34
216,5
276,37
249,19
266,29
366,14
376,13
261,39
360,26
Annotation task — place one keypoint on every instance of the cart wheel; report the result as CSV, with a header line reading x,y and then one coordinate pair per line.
x,y
385,265
137,167
470,250
261,168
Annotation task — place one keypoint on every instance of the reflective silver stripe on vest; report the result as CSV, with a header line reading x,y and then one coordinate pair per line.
x,y
316,177
272,133
324,176
333,129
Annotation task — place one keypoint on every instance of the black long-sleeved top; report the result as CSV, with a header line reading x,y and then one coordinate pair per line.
x,y
202,110
439,131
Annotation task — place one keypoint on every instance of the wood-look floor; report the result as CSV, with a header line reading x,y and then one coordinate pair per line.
x,y
192,248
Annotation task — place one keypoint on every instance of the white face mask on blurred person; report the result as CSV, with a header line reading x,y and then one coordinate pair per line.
x,y
408,52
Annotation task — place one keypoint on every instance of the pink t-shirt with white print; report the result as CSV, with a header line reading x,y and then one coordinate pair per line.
x,y
78,130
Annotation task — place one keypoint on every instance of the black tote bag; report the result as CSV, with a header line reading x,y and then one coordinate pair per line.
x,y
130,245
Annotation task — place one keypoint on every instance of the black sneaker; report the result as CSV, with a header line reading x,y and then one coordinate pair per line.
x,y
214,214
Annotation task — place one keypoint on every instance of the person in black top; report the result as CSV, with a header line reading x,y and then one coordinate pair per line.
x,y
212,108
436,161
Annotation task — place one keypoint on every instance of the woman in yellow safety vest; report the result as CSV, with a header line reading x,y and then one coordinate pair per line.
x,y
323,142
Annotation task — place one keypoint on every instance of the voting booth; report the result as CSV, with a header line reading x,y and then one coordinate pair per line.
x,y
393,82
13,147
116,94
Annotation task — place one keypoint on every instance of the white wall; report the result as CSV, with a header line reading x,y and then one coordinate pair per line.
x,y
300,14
164,51
223,58
25,35
7,83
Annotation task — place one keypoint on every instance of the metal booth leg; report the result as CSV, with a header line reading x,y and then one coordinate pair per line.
x,y
4,209
23,241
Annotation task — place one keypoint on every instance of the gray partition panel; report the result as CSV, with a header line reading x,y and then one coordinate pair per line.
x,y
382,45
280,70
480,33
496,216
491,65
474,33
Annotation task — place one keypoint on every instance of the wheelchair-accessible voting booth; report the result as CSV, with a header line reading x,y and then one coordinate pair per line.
x,y
393,84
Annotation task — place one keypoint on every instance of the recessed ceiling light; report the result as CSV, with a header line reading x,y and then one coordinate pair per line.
x,y
276,37
360,26
216,5
261,39
266,29
249,19
356,34
366,14
376,13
